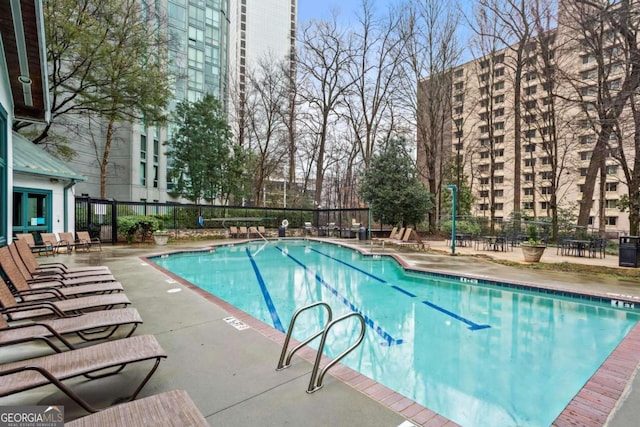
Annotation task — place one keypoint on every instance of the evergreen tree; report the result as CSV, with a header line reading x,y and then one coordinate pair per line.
x,y
392,189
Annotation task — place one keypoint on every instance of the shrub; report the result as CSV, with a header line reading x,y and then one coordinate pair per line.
x,y
142,225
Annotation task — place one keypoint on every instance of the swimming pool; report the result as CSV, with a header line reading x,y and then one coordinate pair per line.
x,y
478,354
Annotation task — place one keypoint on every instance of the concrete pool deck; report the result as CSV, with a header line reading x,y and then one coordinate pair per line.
x,y
230,373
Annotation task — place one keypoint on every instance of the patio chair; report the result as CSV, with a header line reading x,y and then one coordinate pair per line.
x,y
92,326
18,310
73,243
169,409
90,362
242,231
400,234
36,268
262,231
88,241
407,234
52,239
12,270
34,248
233,231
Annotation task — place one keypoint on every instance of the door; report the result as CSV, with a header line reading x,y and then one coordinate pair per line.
x,y
31,211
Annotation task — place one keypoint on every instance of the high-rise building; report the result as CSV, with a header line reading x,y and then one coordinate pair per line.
x,y
211,41
558,129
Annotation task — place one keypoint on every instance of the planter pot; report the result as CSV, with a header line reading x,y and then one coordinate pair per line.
x,y
161,239
532,253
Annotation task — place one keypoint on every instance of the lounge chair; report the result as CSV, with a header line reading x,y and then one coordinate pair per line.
x,y
169,409
242,231
88,241
17,310
90,362
262,231
56,267
233,231
52,239
72,242
43,248
399,234
416,241
13,272
80,277
92,326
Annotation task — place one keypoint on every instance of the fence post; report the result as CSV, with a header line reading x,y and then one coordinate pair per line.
x,y
114,222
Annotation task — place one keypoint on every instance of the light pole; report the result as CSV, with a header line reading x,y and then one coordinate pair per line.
x,y
454,192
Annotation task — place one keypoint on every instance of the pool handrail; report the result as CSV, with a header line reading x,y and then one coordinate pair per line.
x,y
317,385
287,363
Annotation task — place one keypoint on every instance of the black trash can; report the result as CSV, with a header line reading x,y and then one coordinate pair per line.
x,y
282,231
629,251
362,233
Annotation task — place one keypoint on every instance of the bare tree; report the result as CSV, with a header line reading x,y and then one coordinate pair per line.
x,y
373,70
266,133
607,34
324,57
429,51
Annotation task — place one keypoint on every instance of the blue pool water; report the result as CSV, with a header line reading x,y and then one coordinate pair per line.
x,y
480,355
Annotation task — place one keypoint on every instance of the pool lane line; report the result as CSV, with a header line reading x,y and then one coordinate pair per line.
x,y
472,326
350,266
388,339
265,293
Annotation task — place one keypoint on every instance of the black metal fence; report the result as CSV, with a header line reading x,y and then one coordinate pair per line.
x,y
100,217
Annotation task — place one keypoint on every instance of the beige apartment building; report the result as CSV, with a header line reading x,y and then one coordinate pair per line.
x,y
557,128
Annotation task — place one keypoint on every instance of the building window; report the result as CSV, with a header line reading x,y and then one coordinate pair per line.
x,y
587,139
484,128
156,154
498,112
611,186
528,191
498,86
458,86
143,160
544,205
586,155
546,175
459,109
612,169
498,179
459,97
498,126
530,90
499,72
611,204
484,154
32,210
458,73
530,148
611,220
484,193
546,160
499,206
547,190
527,205
498,193
498,166
529,162
499,152
484,181
483,207
530,105
531,133
583,171
528,177
498,99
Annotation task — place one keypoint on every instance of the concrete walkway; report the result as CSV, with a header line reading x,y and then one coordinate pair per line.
x,y
230,373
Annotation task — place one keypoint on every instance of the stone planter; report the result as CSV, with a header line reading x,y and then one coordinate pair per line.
x,y
161,239
532,253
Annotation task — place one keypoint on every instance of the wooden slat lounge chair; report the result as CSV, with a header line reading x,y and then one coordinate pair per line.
x,y
58,245
36,268
42,248
90,362
13,272
169,409
17,310
92,326
90,242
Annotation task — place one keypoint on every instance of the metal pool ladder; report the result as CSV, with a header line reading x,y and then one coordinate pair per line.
x,y
315,382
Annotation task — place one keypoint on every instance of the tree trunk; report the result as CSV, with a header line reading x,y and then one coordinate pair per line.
x,y
105,158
